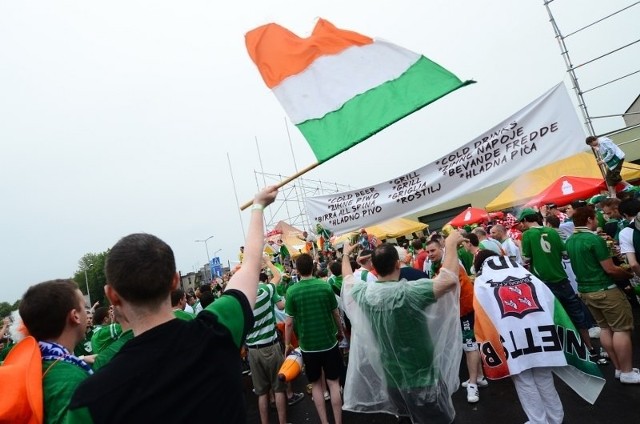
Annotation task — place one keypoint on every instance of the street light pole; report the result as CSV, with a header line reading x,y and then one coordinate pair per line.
x,y
86,282
207,249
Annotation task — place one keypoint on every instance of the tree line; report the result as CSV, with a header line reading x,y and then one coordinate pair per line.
x,y
93,264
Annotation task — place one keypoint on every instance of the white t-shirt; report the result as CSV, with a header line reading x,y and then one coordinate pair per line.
x,y
625,238
370,277
566,229
511,250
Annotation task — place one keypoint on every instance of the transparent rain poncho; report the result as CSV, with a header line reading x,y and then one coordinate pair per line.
x,y
406,348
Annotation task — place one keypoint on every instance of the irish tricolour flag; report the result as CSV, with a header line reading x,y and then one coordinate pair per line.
x,y
520,324
340,87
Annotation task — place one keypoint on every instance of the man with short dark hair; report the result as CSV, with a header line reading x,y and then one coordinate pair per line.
x,y
487,243
54,314
138,384
596,274
399,365
191,300
613,219
313,307
566,227
471,244
105,331
543,250
178,302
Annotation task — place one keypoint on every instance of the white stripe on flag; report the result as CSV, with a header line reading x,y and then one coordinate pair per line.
x,y
331,81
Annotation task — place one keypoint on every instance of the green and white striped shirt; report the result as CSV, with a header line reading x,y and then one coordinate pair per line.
x,y
264,328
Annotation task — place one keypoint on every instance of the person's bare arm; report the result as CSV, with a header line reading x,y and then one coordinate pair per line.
x,y
288,333
277,275
247,277
347,248
633,263
447,279
336,318
615,271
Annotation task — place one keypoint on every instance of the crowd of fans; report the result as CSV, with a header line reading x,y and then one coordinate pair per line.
x,y
102,364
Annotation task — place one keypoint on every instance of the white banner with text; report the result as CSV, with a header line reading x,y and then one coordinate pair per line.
x,y
544,131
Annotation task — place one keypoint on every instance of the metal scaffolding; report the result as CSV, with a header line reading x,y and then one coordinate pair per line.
x,y
289,206
571,68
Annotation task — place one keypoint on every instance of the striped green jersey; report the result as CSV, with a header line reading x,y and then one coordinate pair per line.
x,y
264,328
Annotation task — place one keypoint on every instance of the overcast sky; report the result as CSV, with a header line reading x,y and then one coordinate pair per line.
x,y
117,117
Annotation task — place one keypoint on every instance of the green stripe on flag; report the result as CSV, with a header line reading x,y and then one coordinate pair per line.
x,y
561,319
372,111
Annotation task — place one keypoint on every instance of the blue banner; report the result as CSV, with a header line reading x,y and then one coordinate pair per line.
x,y
216,267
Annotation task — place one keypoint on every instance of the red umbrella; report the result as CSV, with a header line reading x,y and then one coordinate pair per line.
x,y
468,216
566,189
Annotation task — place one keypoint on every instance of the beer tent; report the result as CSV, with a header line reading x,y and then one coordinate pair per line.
x,y
528,185
565,190
392,228
290,235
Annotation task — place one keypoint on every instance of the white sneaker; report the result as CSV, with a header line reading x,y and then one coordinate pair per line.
x,y
327,396
473,395
594,333
617,373
631,377
480,382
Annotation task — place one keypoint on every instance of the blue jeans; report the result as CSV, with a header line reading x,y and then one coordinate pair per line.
x,y
572,304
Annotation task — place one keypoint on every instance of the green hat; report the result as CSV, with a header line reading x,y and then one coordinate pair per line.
x,y
525,213
596,199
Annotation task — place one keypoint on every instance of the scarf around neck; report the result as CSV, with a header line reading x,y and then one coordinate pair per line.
x,y
54,352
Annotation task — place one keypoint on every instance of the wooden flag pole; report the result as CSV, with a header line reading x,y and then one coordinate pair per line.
x,y
285,182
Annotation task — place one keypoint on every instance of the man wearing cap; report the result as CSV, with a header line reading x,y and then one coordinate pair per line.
x,y
552,208
596,274
543,249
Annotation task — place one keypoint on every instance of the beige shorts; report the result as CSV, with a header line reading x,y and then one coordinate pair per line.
x,y
610,308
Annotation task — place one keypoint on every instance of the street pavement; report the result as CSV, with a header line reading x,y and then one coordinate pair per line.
x,y
499,404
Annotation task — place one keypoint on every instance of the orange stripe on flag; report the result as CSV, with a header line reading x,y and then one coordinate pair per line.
x,y
494,359
279,53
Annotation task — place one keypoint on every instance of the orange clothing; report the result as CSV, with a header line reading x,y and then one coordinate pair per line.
x,y
466,292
